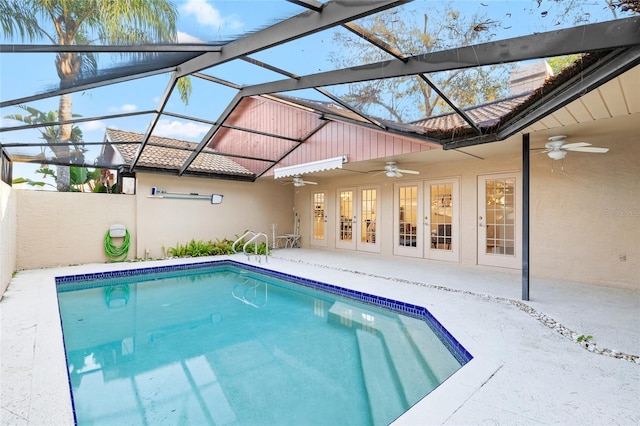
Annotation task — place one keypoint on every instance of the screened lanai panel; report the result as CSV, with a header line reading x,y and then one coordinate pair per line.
x,y
251,145
206,101
231,166
29,144
15,66
400,99
105,103
430,26
169,126
241,73
227,20
103,69
319,52
271,116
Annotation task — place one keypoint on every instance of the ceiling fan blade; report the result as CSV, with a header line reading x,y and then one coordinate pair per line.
x,y
593,149
309,183
409,172
571,146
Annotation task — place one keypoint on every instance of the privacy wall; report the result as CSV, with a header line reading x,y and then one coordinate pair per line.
x,y
59,229
68,228
7,235
165,222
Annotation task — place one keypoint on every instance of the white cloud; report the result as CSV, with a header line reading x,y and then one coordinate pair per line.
x,y
180,129
91,126
124,108
209,16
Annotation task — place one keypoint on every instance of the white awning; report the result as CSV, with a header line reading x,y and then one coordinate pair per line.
x,y
314,166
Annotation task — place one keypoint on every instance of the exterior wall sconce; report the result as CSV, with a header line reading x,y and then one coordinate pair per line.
x,y
160,193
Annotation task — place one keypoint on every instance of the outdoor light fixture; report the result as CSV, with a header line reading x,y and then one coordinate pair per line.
x,y
160,193
557,155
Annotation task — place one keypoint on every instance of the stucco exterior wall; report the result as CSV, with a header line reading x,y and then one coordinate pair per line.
x,y
8,245
245,206
585,219
585,211
59,229
585,214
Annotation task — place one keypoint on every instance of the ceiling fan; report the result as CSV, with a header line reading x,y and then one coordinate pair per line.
x,y
557,149
298,181
391,170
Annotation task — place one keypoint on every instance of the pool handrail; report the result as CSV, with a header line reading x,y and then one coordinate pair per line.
x,y
247,233
255,247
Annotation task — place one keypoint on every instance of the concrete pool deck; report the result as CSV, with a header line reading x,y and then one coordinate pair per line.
x,y
527,366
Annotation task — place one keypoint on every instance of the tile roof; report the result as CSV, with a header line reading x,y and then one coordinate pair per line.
x,y
172,154
484,115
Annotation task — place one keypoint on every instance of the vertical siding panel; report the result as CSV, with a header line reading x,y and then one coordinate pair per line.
x,y
365,152
355,146
334,139
382,145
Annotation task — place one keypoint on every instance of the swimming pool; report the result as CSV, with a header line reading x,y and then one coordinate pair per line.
x,y
227,343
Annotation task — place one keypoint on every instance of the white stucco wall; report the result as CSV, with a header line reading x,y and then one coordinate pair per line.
x,y
585,219
59,229
585,214
245,206
8,246
55,229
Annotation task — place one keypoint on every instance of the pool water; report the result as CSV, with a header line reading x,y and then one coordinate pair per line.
x,y
225,345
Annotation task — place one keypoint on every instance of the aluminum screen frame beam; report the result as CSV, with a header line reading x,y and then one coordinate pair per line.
x,y
333,13
162,103
587,38
212,131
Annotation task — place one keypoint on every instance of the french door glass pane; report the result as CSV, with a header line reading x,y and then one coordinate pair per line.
x,y
441,216
318,216
368,224
500,201
346,216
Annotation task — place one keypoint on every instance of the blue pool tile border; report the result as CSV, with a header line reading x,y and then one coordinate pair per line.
x,y
86,281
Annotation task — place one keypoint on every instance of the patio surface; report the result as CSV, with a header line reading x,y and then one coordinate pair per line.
x,y
527,366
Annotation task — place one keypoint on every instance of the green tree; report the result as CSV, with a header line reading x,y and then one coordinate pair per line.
x,y
51,133
409,98
428,29
81,179
69,22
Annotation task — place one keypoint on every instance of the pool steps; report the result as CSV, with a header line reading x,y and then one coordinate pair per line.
x,y
377,373
398,351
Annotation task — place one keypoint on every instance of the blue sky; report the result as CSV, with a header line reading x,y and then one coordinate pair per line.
x,y
211,21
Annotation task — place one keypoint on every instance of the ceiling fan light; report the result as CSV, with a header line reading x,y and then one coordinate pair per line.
x,y
391,174
557,155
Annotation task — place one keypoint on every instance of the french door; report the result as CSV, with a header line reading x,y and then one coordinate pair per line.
x,y
441,220
426,217
500,220
319,219
358,219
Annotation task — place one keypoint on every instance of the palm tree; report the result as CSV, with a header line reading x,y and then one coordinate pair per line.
x,y
69,22
51,134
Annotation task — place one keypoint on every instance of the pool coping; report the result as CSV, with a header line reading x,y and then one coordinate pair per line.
x,y
47,367
490,388
460,353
